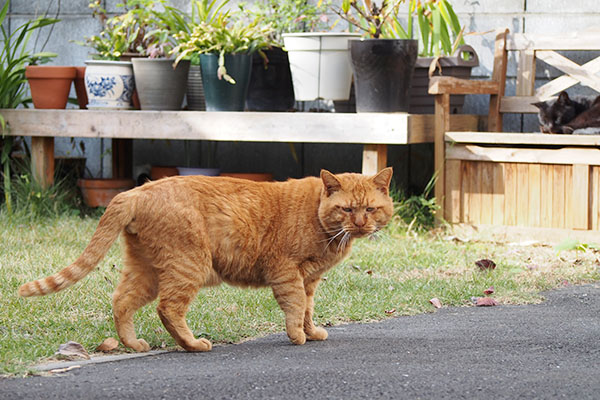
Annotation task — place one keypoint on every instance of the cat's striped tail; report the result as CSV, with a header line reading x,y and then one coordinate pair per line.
x,y
118,214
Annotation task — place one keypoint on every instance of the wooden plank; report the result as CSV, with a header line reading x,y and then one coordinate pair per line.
x,y
442,125
42,160
475,195
580,198
558,196
499,76
535,195
522,194
525,155
374,158
498,194
452,203
452,85
569,67
510,194
522,138
546,189
421,127
519,104
487,189
563,41
362,128
595,193
569,222
564,82
525,73
467,191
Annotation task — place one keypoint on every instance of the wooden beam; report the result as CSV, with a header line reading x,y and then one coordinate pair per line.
x,y
523,138
451,85
42,160
374,158
580,197
442,125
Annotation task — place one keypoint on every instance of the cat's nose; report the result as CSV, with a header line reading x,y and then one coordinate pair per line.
x,y
360,221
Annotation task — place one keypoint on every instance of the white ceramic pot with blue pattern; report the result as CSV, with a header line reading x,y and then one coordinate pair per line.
x,y
109,84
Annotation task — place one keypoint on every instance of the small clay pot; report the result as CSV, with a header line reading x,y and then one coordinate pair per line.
x,y
99,192
50,85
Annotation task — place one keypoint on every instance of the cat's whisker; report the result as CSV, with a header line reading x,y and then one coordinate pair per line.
x,y
334,237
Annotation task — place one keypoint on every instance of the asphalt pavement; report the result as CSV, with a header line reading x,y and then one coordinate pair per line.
x,y
544,351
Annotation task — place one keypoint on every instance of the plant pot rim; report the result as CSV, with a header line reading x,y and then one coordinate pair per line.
x,y
371,40
162,59
105,182
108,62
334,34
50,71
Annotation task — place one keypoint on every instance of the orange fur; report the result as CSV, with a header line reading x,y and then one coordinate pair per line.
x,y
185,233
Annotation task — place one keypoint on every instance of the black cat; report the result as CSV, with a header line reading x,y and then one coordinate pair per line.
x,y
554,115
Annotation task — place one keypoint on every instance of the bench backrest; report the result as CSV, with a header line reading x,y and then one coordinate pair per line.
x,y
531,47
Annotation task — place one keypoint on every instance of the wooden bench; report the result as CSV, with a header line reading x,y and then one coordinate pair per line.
x,y
375,131
521,179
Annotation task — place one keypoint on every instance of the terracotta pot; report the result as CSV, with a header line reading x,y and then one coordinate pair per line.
x,y
50,85
258,177
162,172
82,98
99,192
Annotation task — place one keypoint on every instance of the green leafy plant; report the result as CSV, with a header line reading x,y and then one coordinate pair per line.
x,y
439,29
375,21
145,28
290,16
222,32
418,211
15,55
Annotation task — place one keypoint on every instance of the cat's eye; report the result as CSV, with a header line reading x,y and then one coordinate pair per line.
x,y
347,209
370,209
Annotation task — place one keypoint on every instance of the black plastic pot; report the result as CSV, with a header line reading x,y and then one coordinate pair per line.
x,y
219,94
271,87
383,69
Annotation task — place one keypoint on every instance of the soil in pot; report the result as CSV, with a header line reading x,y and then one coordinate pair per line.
x,y
50,85
99,192
219,94
270,86
383,69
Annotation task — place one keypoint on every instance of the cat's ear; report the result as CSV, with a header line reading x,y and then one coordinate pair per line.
x,y
542,105
563,98
383,178
330,181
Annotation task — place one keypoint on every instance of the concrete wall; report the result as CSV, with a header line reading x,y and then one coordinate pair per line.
x,y
481,17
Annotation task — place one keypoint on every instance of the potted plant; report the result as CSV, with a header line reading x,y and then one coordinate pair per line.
x,y
271,87
442,52
383,63
224,43
15,55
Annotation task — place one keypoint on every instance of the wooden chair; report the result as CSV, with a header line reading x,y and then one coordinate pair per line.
x,y
523,179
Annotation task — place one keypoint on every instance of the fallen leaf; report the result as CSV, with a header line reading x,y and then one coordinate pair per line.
x,y
436,302
485,302
393,310
72,350
489,290
109,344
485,264
370,272
61,370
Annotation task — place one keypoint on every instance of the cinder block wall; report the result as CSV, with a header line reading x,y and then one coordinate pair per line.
x,y
481,18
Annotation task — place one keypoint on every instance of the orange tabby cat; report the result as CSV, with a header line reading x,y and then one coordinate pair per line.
x,y
185,233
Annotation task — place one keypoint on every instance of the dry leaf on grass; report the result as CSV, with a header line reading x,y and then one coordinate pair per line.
x,y
109,344
436,302
485,264
485,302
389,312
489,291
72,350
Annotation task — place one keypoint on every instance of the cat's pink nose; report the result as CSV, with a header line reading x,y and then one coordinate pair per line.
x,y
360,221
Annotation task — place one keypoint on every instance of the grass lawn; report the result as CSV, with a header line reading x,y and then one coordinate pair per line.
x,y
396,274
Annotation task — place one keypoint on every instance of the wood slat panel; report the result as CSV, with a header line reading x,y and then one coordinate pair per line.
x,y
467,180
498,194
562,41
546,188
510,195
475,195
525,73
595,198
569,202
535,195
522,138
487,189
558,196
519,104
522,194
564,82
453,198
580,199
569,67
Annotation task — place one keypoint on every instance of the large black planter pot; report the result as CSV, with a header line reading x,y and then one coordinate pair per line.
x,y
219,94
271,88
383,70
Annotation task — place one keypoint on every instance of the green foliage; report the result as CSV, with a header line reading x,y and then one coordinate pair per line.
x,y
574,244
376,21
222,32
290,16
418,211
439,28
15,55
145,27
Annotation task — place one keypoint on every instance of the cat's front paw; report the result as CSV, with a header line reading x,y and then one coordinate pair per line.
x,y
298,337
317,333
198,345
140,345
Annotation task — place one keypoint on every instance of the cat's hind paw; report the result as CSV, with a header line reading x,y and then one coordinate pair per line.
x,y
317,334
198,345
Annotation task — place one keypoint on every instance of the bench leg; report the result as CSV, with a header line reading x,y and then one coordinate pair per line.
x,y
374,158
442,125
42,160
122,158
